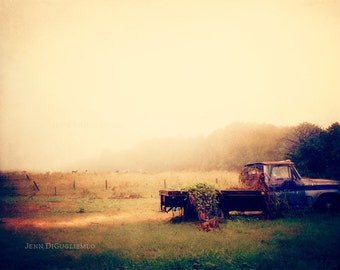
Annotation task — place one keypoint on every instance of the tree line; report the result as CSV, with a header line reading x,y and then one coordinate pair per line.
x,y
315,150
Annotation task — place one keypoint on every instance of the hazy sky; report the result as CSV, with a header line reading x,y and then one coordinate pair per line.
x,y
78,77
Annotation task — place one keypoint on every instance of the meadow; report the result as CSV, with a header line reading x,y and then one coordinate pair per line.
x,y
88,220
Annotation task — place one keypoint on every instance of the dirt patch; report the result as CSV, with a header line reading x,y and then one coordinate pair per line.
x,y
64,212
85,219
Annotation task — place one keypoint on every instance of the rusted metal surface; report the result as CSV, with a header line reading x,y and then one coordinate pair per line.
x,y
172,199
282,162
229,200
242,200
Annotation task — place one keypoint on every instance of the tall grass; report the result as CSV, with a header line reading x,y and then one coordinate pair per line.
x,y
134,184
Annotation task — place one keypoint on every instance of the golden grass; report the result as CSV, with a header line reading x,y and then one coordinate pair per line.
x,y
122,185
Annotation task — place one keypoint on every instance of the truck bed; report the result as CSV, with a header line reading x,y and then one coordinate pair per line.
x,y
229,200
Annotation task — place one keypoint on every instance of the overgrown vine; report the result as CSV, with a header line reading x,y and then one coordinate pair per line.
x,y
204,197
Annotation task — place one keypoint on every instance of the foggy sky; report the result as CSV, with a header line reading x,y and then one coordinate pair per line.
x,y
80,77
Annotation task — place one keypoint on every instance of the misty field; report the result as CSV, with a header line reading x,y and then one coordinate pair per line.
x,y
111,220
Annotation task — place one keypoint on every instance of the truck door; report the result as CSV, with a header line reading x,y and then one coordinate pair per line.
x,y
288,186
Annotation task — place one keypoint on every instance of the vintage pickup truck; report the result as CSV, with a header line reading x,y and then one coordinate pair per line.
x,y
266,187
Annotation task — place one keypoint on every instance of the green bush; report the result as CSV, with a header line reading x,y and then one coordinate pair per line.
x,y
204,198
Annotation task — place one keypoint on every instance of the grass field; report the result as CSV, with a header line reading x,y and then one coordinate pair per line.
x,y
112,221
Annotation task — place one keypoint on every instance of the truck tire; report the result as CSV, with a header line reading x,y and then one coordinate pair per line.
x,y
328,203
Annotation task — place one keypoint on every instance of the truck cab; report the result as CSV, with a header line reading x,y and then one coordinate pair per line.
x,y
281,179
272,174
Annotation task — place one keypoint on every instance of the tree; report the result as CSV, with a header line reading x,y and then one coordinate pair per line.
x,y
305,148
332,151
316,152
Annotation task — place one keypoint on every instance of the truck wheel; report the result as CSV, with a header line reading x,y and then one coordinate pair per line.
x,y
328,203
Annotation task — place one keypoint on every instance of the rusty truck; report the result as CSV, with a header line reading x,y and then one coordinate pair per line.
x,y
266,187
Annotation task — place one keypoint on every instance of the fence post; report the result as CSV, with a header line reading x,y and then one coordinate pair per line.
x,y
55,191
106,184
74,184
36,186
